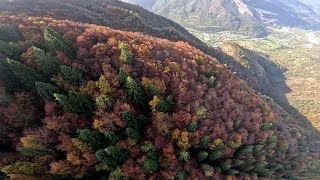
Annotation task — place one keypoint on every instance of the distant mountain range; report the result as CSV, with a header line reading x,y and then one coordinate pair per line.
x,y
314,4
249,17
291,13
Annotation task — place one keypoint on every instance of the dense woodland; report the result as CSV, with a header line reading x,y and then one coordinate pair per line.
x,y
86,101
111,13
124,16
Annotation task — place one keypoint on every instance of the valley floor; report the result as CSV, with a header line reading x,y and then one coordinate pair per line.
x,y
297,51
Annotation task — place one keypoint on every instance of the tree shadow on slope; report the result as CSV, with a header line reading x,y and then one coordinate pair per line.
x,y
268,78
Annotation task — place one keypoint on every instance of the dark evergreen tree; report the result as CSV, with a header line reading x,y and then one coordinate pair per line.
x,y
78,103
46,90
166,105
237,163
133,134
27,76
112,137
246,150
9,34
133,122
55,42
204,141
10,81
48,64
93,138
125,56
112,156
181,175
202,155
215,155
193,126
212,82
266,126
136,93
151,165
71,75
10,50
122,76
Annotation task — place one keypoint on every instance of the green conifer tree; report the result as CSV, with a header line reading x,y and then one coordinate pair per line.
x,y
123,76
237,163
55,42
204,141
125,56
133,122
136,93
48,64
71,75
46,90
112,156
151,165
181,175
112,137
215,155
93,138
10,50
27,76
266,126
202,155
133,134
78,103
10,81
166,105
9,34
184,156
193,126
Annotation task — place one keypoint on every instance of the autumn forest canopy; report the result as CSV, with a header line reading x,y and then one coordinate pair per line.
x,y
83,101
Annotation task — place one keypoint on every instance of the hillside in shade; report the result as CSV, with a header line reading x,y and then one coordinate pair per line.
x,y
111,13
248,17
123,16
92,102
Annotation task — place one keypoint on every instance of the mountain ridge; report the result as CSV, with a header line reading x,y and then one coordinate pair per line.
x,y
247,17
103,57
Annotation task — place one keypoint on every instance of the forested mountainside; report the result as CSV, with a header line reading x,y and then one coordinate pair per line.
x,y
294,48
111,13
88,101
119,15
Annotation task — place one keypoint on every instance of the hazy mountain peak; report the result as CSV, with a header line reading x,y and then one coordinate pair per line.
x,y
243,8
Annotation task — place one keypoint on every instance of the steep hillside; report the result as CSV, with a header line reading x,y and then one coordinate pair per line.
x,y
212,15
145,4
92,102
111,13
314,4
293,13
248,17
113,16
256,69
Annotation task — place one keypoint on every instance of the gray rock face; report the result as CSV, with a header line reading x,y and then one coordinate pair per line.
x,y
249,17
208,15
293,13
